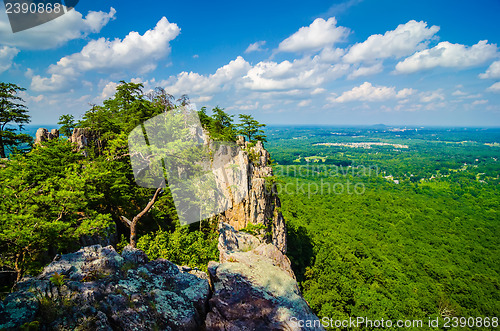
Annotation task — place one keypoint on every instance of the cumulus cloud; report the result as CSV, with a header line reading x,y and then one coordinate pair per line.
x,y
318,90
495,88
480,102
459,93
108,90
319,34
194,83
7,55
366,71
298,74
403,41
431,96
368,92
255,47
69,26
492,72
135,53
448,55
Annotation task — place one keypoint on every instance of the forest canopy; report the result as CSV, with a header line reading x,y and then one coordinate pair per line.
x,y
54,197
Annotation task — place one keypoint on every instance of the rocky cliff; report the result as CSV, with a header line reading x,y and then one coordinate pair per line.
x,y
252,287
262,205
42,134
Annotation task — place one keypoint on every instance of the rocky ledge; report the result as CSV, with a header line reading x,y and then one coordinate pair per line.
x,y
95,288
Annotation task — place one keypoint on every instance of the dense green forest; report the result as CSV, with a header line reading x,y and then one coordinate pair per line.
x,y
418,238
54,197
383,222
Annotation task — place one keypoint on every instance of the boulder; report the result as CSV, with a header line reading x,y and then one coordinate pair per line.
x,y
42,134
97,289
254,287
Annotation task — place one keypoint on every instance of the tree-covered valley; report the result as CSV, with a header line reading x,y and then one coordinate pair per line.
x,y
418,238
382,222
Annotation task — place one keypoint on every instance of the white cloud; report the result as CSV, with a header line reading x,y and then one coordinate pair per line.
x,y
7,55
318,90
459,93
304,103
251,106
108,90
492,72
431,96
203,99
54,33
495,87
366,71
194,83
255,47
319,34
448,55
300,73
135,53
404,93
480,102
368,92
403,41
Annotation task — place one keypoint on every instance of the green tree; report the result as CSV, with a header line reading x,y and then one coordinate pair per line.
x,y
251,128
67,123
220,125
12,112
49,198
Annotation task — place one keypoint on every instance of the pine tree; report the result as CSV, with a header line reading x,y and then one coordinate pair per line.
x,y
12,112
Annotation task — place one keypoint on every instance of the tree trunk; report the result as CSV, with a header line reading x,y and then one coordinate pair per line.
x,y
2,148
18,267
133,224
133,235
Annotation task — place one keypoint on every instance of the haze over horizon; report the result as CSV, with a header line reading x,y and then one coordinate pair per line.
x,y
340,63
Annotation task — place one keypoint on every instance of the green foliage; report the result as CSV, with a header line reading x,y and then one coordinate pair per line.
x,y
12,113
67,123
251,128
421,248
122,244
219,126
31,326
254,229
270,183
182,246
122,113
253,156
57,279
50,196
51,309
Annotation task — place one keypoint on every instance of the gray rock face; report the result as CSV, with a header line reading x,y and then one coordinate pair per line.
x,y
42,134
261,206
82,137
254,287
101,290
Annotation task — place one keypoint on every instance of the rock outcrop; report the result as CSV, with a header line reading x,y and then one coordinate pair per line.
x,y
254,287
262,204
82,137
42,134
97,289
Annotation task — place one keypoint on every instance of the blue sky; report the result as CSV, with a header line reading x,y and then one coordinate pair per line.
x,y
293,62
